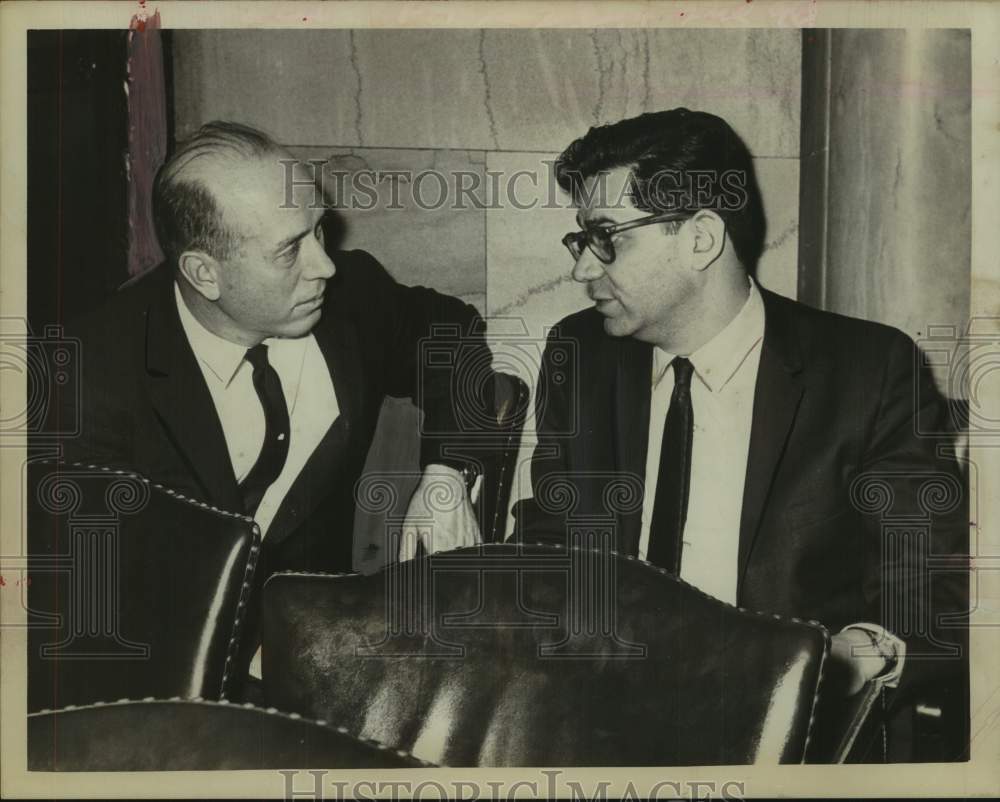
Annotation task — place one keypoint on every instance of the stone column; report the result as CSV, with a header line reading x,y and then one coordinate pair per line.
x,y
885,193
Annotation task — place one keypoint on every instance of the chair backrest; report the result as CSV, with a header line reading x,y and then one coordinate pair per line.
x,y
194,735
499,458
392,468
507,655
134,590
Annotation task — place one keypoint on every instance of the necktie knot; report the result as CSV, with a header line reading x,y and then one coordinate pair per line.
x,y
257,356
682,371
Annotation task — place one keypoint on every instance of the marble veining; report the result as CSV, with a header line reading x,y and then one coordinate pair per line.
x,y
512,89
358,108
487,102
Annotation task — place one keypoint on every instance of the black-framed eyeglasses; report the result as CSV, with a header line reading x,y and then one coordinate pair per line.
x,y
598,238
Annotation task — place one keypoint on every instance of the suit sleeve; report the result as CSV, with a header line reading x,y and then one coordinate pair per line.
x,y
432,349
916,573
94,413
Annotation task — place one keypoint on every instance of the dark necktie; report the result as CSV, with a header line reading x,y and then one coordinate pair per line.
x,y
272,455
674,480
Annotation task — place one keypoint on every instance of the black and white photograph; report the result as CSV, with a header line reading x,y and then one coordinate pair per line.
x,y
608,396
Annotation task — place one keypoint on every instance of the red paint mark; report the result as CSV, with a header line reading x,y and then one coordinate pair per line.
x,y
3,582
147,138
141,20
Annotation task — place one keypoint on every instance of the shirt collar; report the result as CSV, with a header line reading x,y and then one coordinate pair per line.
x,y
717,361
222,357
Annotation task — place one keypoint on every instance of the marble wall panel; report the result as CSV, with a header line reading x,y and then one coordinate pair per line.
x,y
516,90
299,86
423,88
528,268
402,206
900,163
564,81
779,187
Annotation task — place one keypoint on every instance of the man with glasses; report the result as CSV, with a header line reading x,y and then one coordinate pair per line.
x,y
744,417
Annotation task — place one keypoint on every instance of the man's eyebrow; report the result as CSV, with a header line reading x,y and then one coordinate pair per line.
x,y
600,220
285,243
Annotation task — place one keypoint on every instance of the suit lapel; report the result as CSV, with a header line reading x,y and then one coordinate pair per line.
x,y
632,391
777,397
338,342
182,400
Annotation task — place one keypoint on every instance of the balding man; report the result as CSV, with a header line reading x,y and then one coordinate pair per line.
x,y
248,371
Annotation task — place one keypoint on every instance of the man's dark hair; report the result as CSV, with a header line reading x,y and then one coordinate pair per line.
x,y
185,212
666,151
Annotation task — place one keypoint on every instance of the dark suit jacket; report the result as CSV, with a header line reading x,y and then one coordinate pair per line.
x,y
144,405
835,459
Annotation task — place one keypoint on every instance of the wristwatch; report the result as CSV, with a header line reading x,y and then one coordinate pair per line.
x,y
889,647
469,475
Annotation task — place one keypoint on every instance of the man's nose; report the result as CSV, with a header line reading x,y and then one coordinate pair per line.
x,y
320,265
588,267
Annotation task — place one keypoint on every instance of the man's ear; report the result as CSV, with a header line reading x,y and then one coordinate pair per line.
x,y
202,272
708,238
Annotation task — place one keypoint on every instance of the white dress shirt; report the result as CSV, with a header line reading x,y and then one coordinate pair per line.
x,y
722,395
722,391
305,382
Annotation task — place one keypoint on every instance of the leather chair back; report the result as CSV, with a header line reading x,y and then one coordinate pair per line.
x,y
194,735
134,590
499,461
507,655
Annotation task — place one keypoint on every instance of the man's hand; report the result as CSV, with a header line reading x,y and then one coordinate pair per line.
x,y
856,658
440,514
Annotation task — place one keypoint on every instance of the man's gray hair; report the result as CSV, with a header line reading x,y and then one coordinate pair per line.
x,y
185,212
